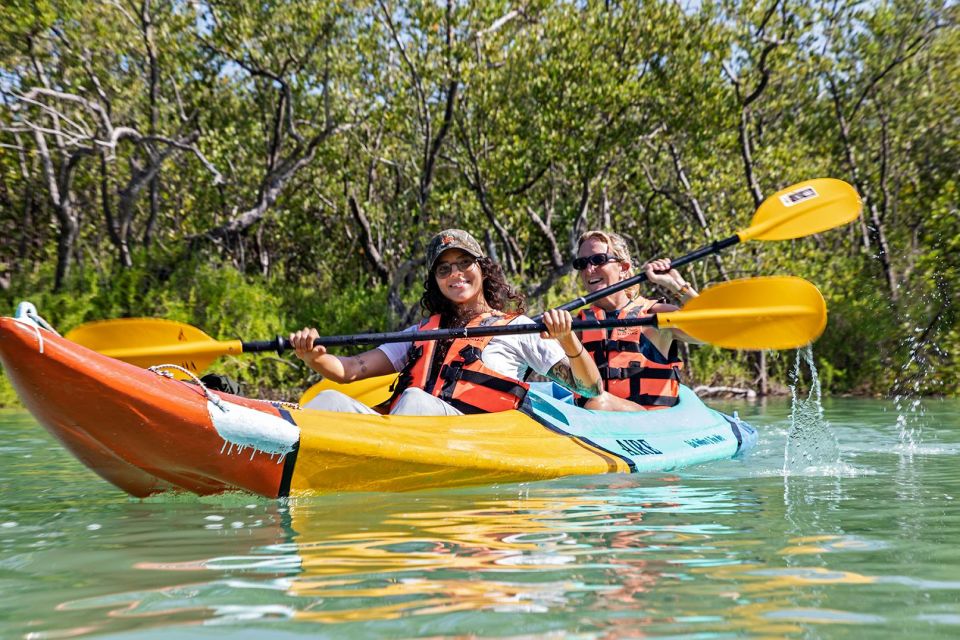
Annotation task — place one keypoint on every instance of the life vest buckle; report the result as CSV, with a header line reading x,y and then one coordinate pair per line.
x,y
469,354
452,371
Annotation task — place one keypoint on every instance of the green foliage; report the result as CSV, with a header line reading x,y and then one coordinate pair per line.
x,y
8,396
348,133
715,367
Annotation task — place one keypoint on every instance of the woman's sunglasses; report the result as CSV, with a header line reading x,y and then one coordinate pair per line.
x,y
444,269
596,260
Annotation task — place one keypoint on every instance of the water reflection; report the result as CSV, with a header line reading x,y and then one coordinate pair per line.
x,y
611,558
402,556
618,557
513,555
714,550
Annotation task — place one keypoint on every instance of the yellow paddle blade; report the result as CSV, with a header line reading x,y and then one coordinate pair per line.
x,y
147,342
780,312
371,391
803,209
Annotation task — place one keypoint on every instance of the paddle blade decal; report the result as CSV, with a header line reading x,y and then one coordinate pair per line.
x,y
803,209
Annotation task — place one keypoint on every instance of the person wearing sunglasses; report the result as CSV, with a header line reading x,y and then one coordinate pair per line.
x,y
463,375
640,366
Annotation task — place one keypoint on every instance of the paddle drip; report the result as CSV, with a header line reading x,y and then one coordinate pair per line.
x,y
811,445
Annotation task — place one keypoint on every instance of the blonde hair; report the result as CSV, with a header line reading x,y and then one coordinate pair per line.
x,y
617,247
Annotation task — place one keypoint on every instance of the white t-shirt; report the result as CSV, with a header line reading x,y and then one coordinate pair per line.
x,y
509,355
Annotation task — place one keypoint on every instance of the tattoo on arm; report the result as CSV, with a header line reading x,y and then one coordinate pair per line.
x,y
363,365
563,374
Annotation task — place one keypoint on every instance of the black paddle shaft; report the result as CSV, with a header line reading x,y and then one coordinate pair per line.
x,y
702,252
281,344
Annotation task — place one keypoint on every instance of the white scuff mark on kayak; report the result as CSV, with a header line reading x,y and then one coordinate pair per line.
x,y
244,428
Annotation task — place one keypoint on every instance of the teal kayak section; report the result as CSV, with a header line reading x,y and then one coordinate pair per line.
x,y
661,440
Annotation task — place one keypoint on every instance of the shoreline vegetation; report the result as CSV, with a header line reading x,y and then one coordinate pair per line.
x,y
250,168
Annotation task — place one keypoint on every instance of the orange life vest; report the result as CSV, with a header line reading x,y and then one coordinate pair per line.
x,y
461,380
630,364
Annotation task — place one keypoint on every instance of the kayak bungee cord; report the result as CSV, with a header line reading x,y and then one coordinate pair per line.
x,y
210,395
214,398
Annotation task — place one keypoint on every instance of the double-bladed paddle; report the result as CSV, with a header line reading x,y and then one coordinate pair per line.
x,y
800,210
758,313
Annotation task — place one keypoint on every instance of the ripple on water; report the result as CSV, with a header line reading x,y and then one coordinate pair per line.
x,y
733,549
824,616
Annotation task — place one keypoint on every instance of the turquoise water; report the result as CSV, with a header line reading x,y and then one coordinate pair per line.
x,y
866,548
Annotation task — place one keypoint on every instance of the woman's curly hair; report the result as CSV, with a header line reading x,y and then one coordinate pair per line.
x,y
497,293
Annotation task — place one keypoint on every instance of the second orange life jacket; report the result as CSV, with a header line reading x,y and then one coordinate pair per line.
x,y
630,364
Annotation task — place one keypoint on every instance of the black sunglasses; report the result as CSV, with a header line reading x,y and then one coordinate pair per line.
x,y
444,269
596,260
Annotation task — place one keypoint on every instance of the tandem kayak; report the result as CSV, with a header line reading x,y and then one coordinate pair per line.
x,y
148,433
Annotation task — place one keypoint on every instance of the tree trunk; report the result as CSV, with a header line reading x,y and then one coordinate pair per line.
x,y
66,239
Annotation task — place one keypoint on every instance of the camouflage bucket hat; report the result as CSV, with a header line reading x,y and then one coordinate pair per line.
x,y
452,239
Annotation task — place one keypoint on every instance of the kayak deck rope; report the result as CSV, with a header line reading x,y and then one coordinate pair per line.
x,y
242,427
159,369
211,396
36,330
280,403
26,314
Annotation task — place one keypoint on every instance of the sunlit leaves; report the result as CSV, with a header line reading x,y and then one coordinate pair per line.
x,y
592,114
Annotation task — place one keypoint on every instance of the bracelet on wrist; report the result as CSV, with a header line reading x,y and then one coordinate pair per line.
x,y
684,289
576,355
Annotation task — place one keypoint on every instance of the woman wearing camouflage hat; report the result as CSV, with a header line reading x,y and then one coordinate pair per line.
x,y
464,375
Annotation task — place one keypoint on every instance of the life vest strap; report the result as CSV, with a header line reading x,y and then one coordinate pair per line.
x,y
629,346
462,379
650,378
647,400
455,372
620,373
599,349
663,395
464,407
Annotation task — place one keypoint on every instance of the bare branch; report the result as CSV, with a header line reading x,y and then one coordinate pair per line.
x,y
94,108
497,24
426,176
370,249
272,186
904,55
423,112
556,258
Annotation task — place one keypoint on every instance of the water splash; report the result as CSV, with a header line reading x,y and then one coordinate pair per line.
x,y
917,375
811,445
909,384
910,414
